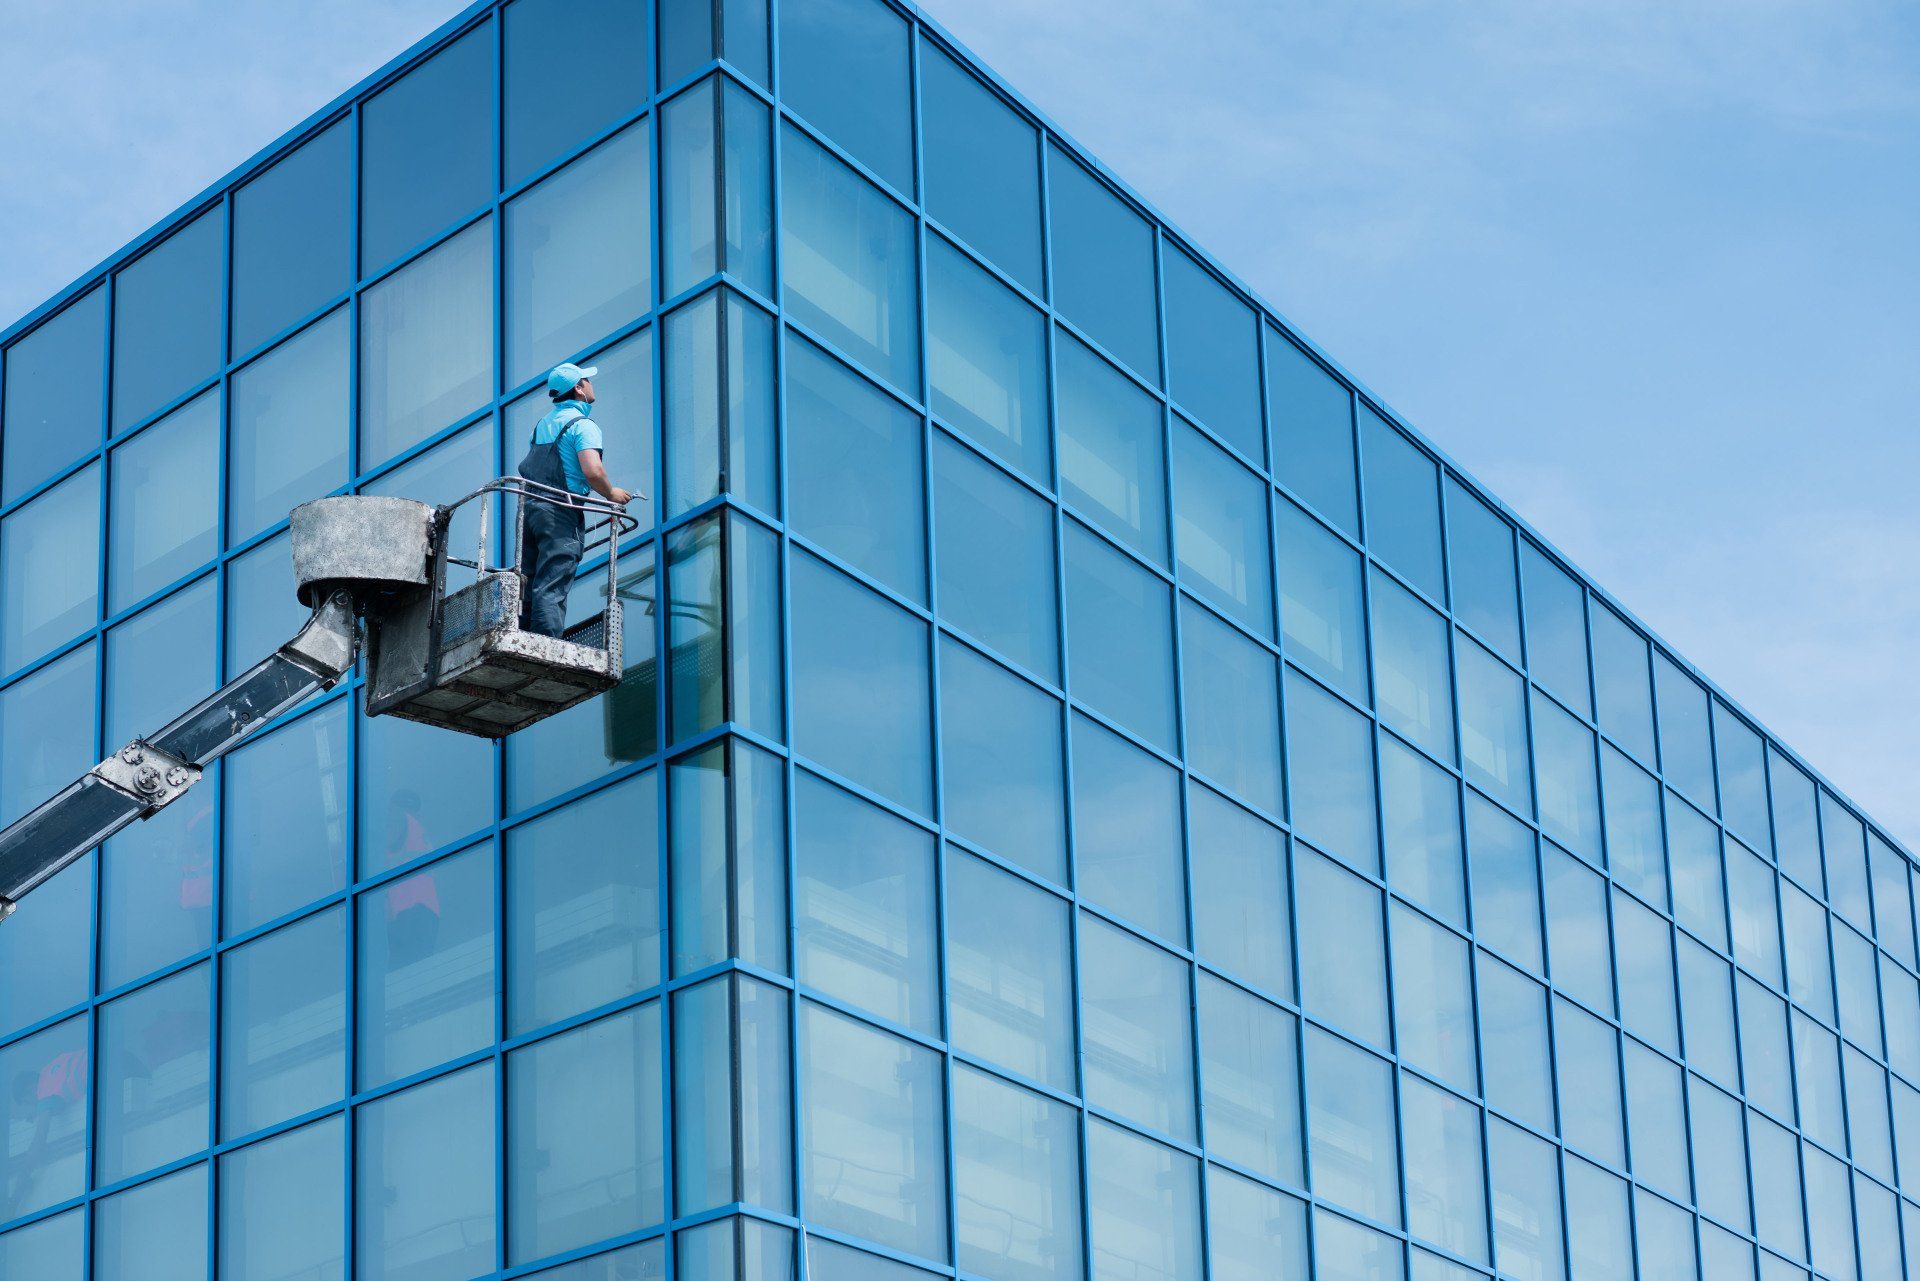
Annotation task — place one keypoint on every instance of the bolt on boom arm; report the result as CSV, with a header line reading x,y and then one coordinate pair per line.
x,y
150,773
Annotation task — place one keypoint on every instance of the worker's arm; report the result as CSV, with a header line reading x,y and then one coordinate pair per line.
x,y
595,473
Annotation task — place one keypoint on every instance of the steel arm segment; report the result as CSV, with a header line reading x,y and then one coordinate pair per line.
x,y
150,773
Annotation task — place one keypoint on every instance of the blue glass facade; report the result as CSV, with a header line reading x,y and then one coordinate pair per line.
x,y
1095,796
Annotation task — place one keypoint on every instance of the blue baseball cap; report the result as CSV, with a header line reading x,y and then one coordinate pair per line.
x,y
564,377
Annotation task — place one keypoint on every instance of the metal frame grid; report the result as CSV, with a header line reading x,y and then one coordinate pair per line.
x,y
916,399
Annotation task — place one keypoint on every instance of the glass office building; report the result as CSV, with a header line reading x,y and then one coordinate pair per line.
x,y
1116,805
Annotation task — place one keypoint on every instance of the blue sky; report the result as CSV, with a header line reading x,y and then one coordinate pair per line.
x,y
1649,270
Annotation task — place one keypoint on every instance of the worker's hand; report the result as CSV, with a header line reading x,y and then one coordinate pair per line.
x,y
621,496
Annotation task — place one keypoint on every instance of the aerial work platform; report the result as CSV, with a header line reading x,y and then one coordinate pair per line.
x,y
443,642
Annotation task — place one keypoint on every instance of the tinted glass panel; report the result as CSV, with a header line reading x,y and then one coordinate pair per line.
x,y
153,1079
1311,412
1213,354
987,361
1233,708
1351,1129
1127,830
1656,1120
1420,813
167,312
46,732
1412,681
427,968
1556,628
1631,800
286,800
1843,838
1137,1026
1720,1154
1623,680
1686,750
1643,955
1332,779
1320,602
48,1083
1577,928
44,957
599,91
1446,1195
1250,1063
288,429
579,249
1587,1061
1753,896
126,1226
995,543
1693,846
165,502
982,167
1569,796
1506,882
283,1033
1103,265
1493,730
1120,633
1252,1231
292,229
1143,1201
426,345
1240,892
1403,504
1001,757
1343,956
1764,1049
1796,822
1526,1204
422,162
49,553
1485,590
1009,972
716,216
1743,778
283,1206
1112,455
1513,1024
261,612
1220,530
424,1187
54,383
1433,999
844,66
1016,1180
847,256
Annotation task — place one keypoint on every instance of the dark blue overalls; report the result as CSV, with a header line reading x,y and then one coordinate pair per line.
x,y
556,532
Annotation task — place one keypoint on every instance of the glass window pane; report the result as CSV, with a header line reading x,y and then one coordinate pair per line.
x,y
1587,1060
1623,680
1643,957
1332,774
1816,1075
1526,1205
165,502
1103,265
1577,929
54,383
1241,898
1112,458
427,968
1009,972
1220,531
1001,757
1433,999
292,229
46,1149
1796,820
982,164
1343,957
860,685
1892,905
127,1226
1878,1216
1764,1050
1556,628
1742,759
1809,971
1350,1123
732,1094
160,662
847,256
167,332
1320,610
864,903
583,908
987,361
1120,633
48,553
288,429
46,947
423,163
153,1078
1777,1208
1752,892
727,841
283,1034
1420,813
283,1206
1720,1154
1250,1063
579,249
995,542
1506,882
1213,354
1598,1239
261,612
1869,1128
1855,978
1901,1007
426,344
1631,802
875,1162
1446,1194
1656,1120
1403,504
1143,1202
1253,1232
1665,1233
1843,838
1686,748
844,66
424,1184
1699,896
1485,589
1016,1173
717,215
600,91
286,800
1493,729
46,732
1345,1251
418,791
586,1156
1513,1023
719,401
1137,1026
1232,689
1312,416
1829,1215
1563,760
1413,684
855,471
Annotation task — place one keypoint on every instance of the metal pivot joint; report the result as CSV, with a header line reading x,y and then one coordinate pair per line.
x,y
149,775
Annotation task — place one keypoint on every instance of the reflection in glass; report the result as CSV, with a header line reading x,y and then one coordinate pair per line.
x,y
262,613
1137,1029
1251,1066
982,165
287,797
45,949
1598,1239
126,1226
1446,1199
1433,999
419,789
1587,1058
1103,265
424,1182
1513,1027
1320,603
1016,1172
720,403
1332,774
1213,355
995,543
1120,629
53,384
1493,726
167,312
1624,682
1232,692
1526,1204
48,1087
1643,958
1311,413
728,850
1253,1232
422,163
160,662
1568,789
692,32
1686,745
600,91
283,1207
292,247
1127,831
1706,1009
844,67
1577,928
1001,757
1796,821
1008,969
1240,892
1631,800
716,217
427,968
1112,455
283,1032
1403,504
1143,1203
1556,628
1506,882
48,551
1412,681
1420,831
1351,1148
1220,531
165,500
1720,1154
987,361
732,1087
1343,955
154,1069
1764,1050
426,344
288,428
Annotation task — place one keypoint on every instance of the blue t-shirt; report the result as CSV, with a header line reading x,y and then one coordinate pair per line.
x,y
568,421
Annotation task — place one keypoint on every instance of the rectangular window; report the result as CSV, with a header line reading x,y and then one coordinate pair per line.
x,y
1587,1061
1253,1232
1526,1204
1777,1206
1446,1194
1753,893
1869,1127
154,1073
732,1092
1657,1121
1892,905
1127,830
283,1206
283,1032
164,486
875,1161
424,1184
1321,616
289,427
1855,977
1796,821
1829,1214
1137,1029
1420,817
1556,628
1412,678
1686,747
54,385
1009,970
1241,899
1120,633
995,542
1631,803
987,361
156,901
1577,929
1143,1202
1016,1171
1742,758
1402,489
168,307
1506,882
1232,690
1220,531
426,345
1598,1239
1513,1025
1816,1076
127,1225
1643,959
48,553
585,1150
1250,1061
1350,1126
160,662
844,65
1493,726
727,843
1213,354
422,163
1809,969
720,401
1764,1050
1624,681
1486,589
1568,791
1311,414
1001,758
1433,999
1343,956
982,164
43,966
45,1159
292,237
1843,838
427,968
1103,265
864,903
600,91
1720,1154
1699,893
286,798
1113,466
1331,782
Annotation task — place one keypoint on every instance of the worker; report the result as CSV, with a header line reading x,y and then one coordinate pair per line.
x,y
564,454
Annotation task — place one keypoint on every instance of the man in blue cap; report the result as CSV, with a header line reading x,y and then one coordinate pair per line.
x,y
565,454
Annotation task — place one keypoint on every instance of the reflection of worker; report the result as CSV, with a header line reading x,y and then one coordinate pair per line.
x,y
59,1087
413,902
196,870
565,453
